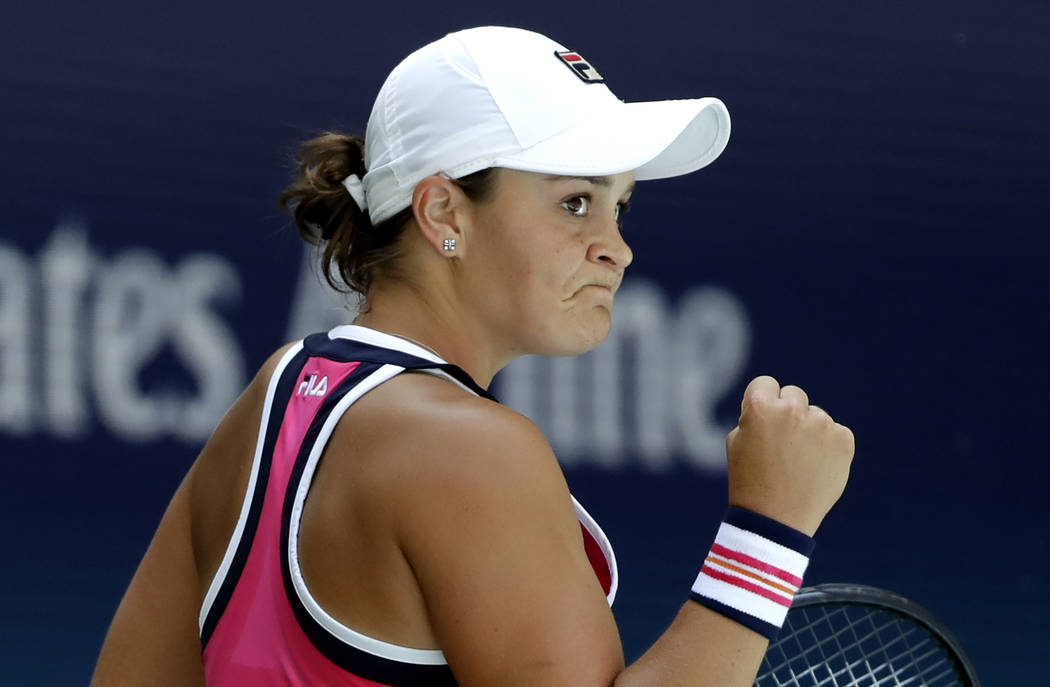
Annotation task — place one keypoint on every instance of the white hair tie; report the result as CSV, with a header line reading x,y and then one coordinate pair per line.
x,y
356,188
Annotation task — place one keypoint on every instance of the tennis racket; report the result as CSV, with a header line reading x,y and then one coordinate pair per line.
x,y
845,635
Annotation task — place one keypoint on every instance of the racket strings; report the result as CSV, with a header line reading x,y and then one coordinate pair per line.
x,y
832,645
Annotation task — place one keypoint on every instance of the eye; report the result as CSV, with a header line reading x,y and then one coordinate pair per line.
x,y
621,210
578,206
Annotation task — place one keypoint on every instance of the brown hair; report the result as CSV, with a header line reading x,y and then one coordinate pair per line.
x,y
353,250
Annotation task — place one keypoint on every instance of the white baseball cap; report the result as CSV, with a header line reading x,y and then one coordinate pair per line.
x,y
503,97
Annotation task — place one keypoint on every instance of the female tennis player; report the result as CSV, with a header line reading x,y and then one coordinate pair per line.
x,y
366,513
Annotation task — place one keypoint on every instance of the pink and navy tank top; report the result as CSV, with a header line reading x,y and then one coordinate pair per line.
x,y
259,624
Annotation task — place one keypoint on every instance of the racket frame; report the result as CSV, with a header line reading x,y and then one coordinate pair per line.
x,y
858,594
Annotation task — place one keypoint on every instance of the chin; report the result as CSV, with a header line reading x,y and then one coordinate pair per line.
x,y
584,334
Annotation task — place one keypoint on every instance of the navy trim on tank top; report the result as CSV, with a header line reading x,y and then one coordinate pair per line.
x,y
350,658
282,396
350,350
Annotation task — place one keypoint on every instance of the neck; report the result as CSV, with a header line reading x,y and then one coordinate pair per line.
x,y
401,310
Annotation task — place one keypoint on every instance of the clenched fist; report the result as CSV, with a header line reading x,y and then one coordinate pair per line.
x,y
788,459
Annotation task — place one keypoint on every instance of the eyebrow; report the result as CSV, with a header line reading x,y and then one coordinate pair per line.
x,y
597,181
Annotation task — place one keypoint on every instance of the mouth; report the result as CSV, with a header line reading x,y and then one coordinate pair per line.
x,y
610,285
599,289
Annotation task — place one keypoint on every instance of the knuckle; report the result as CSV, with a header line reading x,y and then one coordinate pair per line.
x,y
820,415
755,405
850,440
797,407
843,438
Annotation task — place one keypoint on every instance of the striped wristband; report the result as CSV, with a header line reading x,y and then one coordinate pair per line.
x,y
753,571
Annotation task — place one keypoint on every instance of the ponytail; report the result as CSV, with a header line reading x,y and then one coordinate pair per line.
x,y
352,249
327,216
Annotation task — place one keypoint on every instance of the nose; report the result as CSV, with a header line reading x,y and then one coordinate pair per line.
x,y
611,249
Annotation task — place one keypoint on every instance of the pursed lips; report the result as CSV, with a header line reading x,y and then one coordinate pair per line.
x,y
610,285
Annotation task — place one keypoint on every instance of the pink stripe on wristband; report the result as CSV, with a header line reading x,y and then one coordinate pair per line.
x,y
755,563
781,599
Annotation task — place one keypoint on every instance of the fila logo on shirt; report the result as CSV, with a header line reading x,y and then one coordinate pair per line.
x,y
313,385
579,66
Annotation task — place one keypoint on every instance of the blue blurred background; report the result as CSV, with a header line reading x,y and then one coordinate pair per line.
x,y
875,232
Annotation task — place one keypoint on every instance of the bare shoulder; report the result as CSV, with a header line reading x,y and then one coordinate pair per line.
x,y
238,427
432,453
248,406
219,477
430,432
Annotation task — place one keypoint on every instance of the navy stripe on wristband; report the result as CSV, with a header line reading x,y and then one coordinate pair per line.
x,y
771,529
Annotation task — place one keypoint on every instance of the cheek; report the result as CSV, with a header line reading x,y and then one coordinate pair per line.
x,y
515,284
527,269
542,274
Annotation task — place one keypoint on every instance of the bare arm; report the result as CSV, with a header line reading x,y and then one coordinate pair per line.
x,y
700,647
494,543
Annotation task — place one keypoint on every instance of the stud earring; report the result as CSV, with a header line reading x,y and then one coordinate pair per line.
x,y
450,244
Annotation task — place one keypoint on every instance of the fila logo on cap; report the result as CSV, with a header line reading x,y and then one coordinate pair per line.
x,y
579,66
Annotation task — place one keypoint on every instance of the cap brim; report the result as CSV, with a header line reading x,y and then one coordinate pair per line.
x,y
653,139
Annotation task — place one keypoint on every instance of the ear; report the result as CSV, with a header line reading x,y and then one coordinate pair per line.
x,y
440,208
